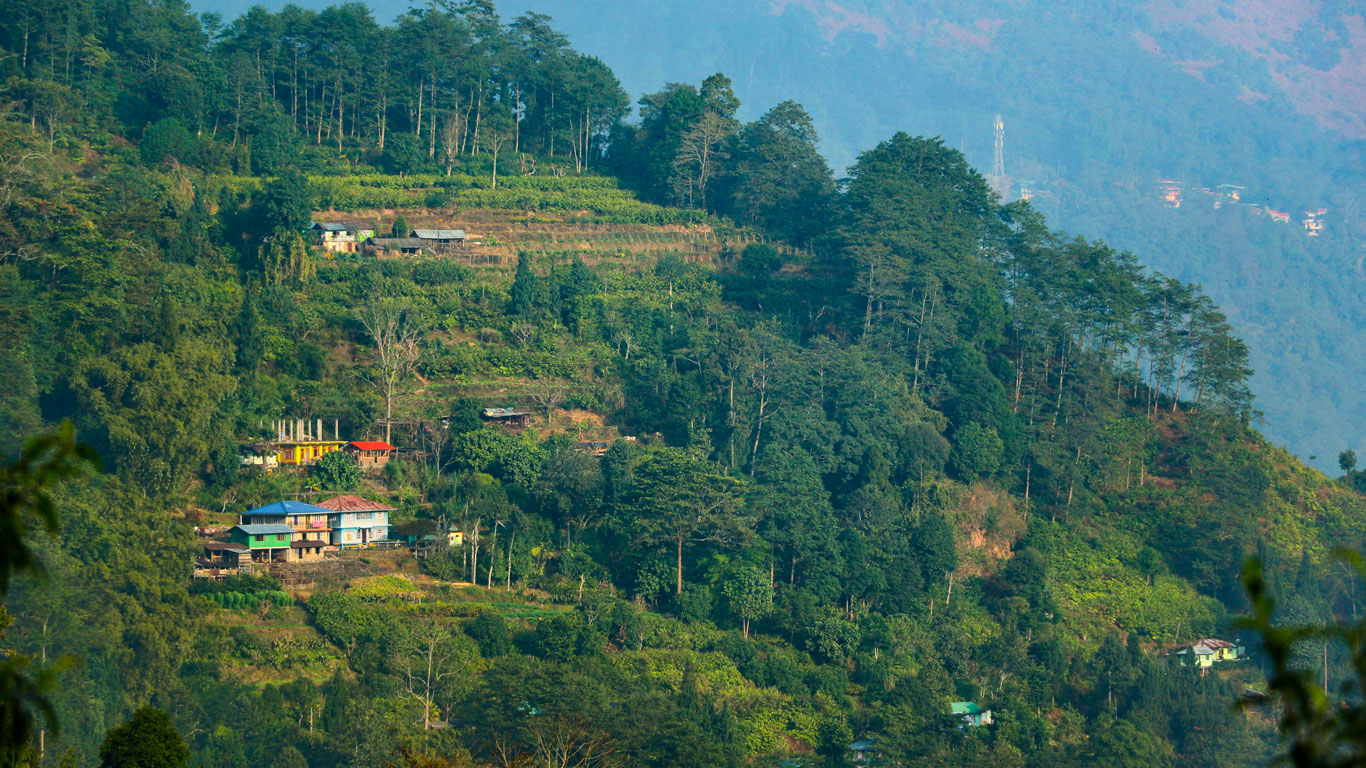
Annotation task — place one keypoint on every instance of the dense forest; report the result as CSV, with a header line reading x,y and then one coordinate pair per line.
x,y
899,474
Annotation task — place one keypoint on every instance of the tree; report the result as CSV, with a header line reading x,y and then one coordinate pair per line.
x,y
147,740
337,471
777,177
1347,461
26,494
549,394
166,138
433,664
680,499
523,292
976,452
400,228
395,330
750,595
284,258
701,151
494,135
156,408
286,203
250,342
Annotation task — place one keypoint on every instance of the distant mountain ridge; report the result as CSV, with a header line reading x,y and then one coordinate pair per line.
x,y
1314,53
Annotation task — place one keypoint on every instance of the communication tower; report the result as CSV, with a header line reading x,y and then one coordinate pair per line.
x,y
998,160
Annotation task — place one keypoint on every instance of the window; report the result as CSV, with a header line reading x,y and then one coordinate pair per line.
x,y
260,537
364,515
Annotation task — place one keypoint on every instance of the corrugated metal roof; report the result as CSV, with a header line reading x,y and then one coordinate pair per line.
x,y
349,503
308,543
397,242
439,234
331,226
265,529
226,546
965,708
287,508
503,413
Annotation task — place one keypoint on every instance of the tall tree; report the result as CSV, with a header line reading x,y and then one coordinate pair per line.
x,y
681,499
395,330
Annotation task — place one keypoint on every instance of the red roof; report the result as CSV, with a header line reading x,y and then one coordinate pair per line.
x,y
372,445
349,503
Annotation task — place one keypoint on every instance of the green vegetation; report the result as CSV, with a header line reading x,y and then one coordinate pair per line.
x,y
921,450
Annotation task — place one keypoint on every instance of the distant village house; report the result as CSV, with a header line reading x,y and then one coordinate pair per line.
x,y
265,543
441,240
261,455
971,715
395,246
1206,652
370,454
514,418
300,442
338,237
359,522
1313,221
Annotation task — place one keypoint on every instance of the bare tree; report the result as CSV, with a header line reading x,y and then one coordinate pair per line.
x,y
548,394
570,743
394,329
431,662
699,157
496,133
452,136
434,438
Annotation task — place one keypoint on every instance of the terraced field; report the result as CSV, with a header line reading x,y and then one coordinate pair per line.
x,y
496,236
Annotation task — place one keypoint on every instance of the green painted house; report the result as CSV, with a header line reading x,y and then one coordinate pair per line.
x,y
971,714
268,542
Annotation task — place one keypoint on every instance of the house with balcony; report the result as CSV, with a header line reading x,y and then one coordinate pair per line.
x,y
358,522
340,237
264,542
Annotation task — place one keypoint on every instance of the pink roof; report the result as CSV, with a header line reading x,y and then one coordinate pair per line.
x,y
349,503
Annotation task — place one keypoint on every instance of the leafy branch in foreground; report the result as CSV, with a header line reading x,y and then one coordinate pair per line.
x,y
1323,732
25,492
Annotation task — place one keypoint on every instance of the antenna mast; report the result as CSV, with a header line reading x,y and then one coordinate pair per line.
x,y
998,160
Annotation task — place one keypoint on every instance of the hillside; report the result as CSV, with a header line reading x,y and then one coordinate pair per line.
x,y
705,461
1100,102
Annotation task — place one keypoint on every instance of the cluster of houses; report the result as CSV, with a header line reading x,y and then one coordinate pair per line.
x,y
348,237
294,531
1171,192
300,442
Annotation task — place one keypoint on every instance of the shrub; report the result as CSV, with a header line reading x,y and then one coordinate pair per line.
x,y
490,632
337,470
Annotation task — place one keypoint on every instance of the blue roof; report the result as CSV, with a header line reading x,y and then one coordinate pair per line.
x,y
268,529
289,508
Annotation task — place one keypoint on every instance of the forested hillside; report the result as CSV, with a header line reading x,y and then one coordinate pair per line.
x,y
883,472
1100,101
